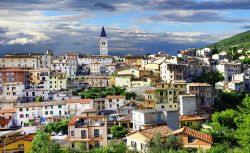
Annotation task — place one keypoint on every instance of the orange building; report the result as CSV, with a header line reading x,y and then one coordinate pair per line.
x,y
194,139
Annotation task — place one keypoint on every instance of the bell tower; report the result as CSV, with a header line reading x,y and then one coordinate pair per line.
x,y
103,43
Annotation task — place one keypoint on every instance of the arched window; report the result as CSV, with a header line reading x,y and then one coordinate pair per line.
x,y
103,43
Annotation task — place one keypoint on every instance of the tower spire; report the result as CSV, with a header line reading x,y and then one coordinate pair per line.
x,y
103,43
103,33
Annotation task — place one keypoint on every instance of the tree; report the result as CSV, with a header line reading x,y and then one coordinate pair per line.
x,y
243,123
41,143
226,118
173,142
228,100
129,95
39,99
215,50
170,144
118,131
57,126
209,77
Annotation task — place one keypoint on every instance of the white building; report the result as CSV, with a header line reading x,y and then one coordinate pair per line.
x,y
29,95
142,119
35,111
13,89
114,102
203,52
169,72
77,107
187,104
228,69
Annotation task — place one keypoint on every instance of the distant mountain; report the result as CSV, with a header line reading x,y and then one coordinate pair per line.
x,y
241,40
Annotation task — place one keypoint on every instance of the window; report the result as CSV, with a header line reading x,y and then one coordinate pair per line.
x,y
51,112
117,105
20,145
72,133
83,134
170,92
73,144
59,106
51,106
110,100
96,133
27,109
27,115
46,113
117,100
60,112
97,144
191,139
133,144
20,109
21,116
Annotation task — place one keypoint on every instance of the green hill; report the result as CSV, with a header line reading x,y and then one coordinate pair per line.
x,y
241,40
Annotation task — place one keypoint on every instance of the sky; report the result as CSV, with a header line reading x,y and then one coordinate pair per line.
x,y
132,26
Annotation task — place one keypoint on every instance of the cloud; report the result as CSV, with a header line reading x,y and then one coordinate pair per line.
x,y
105,6
191,16
199,5
246,27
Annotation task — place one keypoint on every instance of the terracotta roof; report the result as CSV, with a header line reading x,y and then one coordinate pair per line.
x,y
114,97
4,121
82,101
199,84
11,70
197,134
150,91
28,137
194,117
75,118
124,118
152,131
7,111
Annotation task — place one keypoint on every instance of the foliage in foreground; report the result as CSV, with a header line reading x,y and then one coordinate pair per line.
x,y
118,131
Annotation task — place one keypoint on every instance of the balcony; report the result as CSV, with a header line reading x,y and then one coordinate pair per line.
x,y
84,124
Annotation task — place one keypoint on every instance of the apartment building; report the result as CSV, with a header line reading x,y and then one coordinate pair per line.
x,y
12,75
228,69
143,119
36,112
204,95
169,72
13,89
91,131
58,81
114,102
78,106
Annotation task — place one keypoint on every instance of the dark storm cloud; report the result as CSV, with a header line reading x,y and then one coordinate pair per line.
x,y
246,27
204,5
193,16
106,6
3,30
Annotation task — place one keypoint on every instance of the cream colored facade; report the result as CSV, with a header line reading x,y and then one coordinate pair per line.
x,y
20,61
91,131
58,81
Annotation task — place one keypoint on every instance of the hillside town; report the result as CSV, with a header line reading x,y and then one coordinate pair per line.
x,y
99,98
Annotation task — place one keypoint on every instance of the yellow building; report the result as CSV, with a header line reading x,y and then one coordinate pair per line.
x,y
177,84
152,66
17,144
149,102
133,60
58,81
192,120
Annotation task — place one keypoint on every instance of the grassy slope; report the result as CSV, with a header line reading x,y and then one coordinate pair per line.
x,y
241,40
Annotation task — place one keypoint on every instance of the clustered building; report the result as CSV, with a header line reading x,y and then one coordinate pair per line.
x,y
37,89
